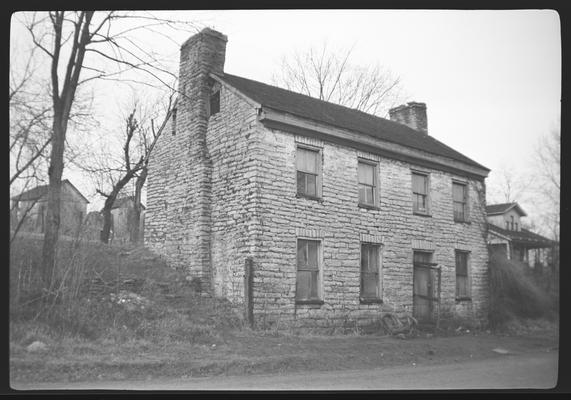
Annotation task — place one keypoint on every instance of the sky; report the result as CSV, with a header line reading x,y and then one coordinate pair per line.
x,y
491,80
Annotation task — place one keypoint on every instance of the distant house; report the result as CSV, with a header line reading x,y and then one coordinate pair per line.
x,y
31,208
93,225
506,235
124,226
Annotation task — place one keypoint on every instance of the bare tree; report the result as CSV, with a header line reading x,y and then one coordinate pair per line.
x,y
330,76
114,173
506,185
67,39
547,163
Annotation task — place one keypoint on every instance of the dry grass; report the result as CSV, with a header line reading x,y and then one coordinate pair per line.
x,y
516,294
114,293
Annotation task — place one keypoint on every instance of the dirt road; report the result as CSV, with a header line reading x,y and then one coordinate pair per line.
x,y
536,370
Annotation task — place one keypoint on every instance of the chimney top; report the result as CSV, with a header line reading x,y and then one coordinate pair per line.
x,y
411,114
206,31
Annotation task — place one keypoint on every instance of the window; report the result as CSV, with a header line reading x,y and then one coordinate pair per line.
x,y
367,183
512,221
308,172
370,277
308,270
215,102
507,225
173,123
462,279
516,227
420,193
459,197
422,258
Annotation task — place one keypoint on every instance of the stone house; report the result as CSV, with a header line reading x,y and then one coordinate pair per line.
x,y
31,206
506,235
310,214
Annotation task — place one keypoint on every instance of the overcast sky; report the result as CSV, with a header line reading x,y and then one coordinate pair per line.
x,y
491,79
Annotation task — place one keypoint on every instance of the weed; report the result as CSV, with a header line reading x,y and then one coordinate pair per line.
x,y
515,294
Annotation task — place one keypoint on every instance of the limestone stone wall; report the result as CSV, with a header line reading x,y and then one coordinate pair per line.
x,y
341,225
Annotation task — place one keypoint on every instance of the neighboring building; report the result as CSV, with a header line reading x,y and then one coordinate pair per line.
x,y
343,215
93,225
506,235
31,206
124,226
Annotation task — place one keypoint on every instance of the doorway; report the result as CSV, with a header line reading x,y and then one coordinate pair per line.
x,y
425,287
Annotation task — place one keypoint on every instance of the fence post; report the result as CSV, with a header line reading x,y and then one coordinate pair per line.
x,y
249,291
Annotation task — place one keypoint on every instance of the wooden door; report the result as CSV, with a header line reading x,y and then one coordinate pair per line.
x,y
423,287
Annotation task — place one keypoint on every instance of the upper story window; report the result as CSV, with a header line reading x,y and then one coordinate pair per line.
x,y
367,172
215,103
507,225
308,162
308,282
512,222
460,200
370,273
516,227
420,197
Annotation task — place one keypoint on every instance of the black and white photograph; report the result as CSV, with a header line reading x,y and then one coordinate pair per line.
x,y
284,200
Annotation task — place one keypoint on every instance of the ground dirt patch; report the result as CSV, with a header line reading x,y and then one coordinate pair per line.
x,y
255,353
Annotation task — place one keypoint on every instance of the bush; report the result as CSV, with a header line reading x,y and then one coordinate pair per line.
x,y
515,294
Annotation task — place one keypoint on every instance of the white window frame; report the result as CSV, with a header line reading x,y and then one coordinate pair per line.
x,y
379,297
466,200
426,212
319,175
319,299
468,276
375,166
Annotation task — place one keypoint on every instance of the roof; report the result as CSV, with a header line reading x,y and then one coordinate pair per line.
x,y
502,208
523,236
342,117
40,191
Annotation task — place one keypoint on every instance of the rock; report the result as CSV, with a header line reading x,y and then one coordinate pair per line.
x,y
500,351
37,346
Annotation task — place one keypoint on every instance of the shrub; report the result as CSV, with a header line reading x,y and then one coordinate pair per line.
x,y
515,294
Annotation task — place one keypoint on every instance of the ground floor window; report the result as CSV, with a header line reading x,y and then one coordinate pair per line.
x,y
308,286
462,275
370,273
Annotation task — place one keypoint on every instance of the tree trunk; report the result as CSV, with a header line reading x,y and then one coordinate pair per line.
x,y
53,205
136,227
107,222
109,201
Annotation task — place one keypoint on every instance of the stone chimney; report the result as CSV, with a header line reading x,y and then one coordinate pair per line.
x,y
412,114
200,55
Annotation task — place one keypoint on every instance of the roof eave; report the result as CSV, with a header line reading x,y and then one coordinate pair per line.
x,y
232,89
279,120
